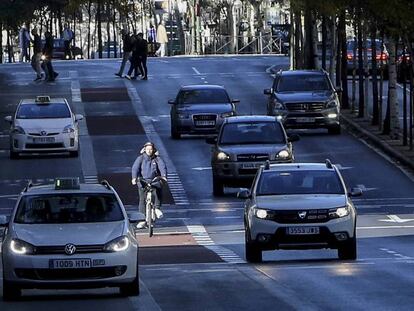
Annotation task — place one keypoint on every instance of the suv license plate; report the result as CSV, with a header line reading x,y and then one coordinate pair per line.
x,y
251,165
302,230
69,263
205,123
305,120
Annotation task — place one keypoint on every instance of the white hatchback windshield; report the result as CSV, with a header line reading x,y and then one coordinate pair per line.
x,y
299,182
43,111
68,208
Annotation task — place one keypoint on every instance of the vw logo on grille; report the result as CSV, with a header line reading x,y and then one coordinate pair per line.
x,y
70,249
43,133
302,215
305,106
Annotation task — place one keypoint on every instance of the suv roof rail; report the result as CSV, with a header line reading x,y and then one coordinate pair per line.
x,y
267,165
29,185
105,183
328,163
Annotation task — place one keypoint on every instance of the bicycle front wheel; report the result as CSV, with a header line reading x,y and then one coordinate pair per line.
x,y
150,221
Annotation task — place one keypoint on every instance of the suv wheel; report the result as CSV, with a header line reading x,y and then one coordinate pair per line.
x,y
10,291
335,130
253,252
348,251
174,132
218,187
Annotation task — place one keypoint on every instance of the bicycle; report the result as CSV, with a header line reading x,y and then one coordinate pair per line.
x,y
150,216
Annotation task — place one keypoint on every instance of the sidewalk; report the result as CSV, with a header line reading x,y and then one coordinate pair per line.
x,y
392,147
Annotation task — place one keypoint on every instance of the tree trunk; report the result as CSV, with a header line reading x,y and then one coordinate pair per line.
x,y
292,49
361,104
375,108
59,20
324,38
108,30
9,47
1,42
344,64
298,40
332,56
114,34
366,71
393,99
89,27
99,25
338,55
308,46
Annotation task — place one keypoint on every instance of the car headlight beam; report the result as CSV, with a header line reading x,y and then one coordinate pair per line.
x,y
339,212
222,156
118,245
261,213
283,154
20,247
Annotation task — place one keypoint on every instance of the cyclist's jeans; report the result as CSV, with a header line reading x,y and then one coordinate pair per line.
x,y
156,199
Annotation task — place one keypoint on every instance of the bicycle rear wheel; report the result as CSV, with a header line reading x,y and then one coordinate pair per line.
x,y
150,220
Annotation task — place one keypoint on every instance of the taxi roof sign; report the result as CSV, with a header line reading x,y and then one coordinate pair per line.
x,y
67,183
42,99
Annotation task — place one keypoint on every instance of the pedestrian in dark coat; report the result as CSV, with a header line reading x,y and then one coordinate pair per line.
x,y
48,55
142,50
127,50
134,60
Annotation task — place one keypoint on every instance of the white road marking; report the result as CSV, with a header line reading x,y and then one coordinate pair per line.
x,y
196,71
395,218
201,168
363,188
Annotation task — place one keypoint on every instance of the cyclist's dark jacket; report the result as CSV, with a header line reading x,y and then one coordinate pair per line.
x,y
148,167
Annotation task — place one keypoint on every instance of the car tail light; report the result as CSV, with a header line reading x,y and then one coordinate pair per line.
x,y
349,56
382,56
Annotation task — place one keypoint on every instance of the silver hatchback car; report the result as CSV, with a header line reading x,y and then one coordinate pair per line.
x,y
69,235
200,109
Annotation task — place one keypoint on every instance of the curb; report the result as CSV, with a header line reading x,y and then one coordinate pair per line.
x,y
379,143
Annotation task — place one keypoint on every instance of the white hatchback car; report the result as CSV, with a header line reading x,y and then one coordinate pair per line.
x,y
299,206
70,235
44,124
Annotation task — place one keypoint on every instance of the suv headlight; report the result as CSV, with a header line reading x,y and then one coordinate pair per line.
x,y
227,114
18,130
332,104
117,245
339,212
69,129
262,213
222,156
20,247
277,105
283,154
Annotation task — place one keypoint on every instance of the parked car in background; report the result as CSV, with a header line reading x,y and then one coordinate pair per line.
x,y
59,50
404,65
111,47
304,99
381,56
200,109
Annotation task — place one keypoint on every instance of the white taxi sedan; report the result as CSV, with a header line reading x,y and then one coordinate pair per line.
x,y
44,124
69,235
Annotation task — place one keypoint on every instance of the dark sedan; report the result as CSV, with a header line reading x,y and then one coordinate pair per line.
x,y
200,109
243,145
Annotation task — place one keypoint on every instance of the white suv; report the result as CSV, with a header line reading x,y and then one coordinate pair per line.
x,y
299,206
44,125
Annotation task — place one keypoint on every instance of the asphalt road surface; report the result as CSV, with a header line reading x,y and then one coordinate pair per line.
x,y
195,261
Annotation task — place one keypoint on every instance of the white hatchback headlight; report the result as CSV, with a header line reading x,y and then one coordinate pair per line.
x,y
117,245
222,156
339,212
18,130
69,129
283,154
261,213
20,247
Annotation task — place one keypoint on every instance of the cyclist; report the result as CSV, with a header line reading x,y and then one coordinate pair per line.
x,y
149,165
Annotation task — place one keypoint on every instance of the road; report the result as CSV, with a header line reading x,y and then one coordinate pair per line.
x,y
196,259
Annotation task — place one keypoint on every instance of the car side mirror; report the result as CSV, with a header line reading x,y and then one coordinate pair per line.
x,y
78,117
355,192
235,101
267,91
171,102
293,137
211,140
3,221
8,119
244,194
135,217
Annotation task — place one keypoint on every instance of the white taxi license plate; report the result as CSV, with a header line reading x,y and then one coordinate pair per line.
x,y
251,165
42,140
70,263
302,230
205,123
305,120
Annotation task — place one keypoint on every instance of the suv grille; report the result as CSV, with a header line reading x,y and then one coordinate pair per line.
x,y
305,106
205,117
253,157
293,217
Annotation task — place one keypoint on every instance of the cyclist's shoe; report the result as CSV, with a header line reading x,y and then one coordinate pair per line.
x,y
142,225
158,213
